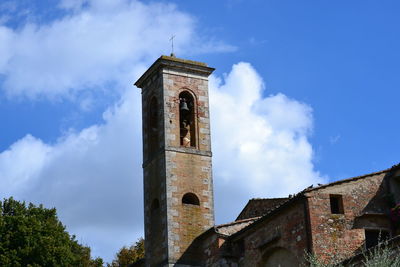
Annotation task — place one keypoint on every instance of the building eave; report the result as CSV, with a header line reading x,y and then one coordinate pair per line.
x,y
175,63
302,196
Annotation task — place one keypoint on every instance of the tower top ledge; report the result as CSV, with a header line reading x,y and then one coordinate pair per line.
x,y
175,63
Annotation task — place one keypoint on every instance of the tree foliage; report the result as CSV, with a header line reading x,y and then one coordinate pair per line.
x,y
126,256
33,236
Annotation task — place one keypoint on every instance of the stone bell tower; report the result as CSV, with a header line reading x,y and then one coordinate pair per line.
x,y
178,187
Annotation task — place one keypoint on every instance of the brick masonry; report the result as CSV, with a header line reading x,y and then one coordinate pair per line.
x,y
286,230
259,206
174,170
305,223
364,206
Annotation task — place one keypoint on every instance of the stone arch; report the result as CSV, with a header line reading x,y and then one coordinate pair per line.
x,y
279,257
187,118
192,218
190,199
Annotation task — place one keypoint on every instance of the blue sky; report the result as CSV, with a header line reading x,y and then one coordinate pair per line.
x,y
340,57
304,92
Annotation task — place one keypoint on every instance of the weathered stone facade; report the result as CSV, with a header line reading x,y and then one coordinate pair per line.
x,y
307,222
284,233
178,192
364,207
260,206
333,221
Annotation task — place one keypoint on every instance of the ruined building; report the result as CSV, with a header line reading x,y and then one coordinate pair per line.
x,y
333,220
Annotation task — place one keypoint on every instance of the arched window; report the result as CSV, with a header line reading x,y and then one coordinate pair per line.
x,y
191,199
187,121
152,129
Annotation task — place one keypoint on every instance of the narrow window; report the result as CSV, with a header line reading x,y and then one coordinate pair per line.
x,y
374,237
155,204
152,126
187,119
191,199
336,204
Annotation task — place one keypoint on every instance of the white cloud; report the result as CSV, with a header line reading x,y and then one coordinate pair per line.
x,y
72,4
100,42
22,163
6,39
260,143
93,176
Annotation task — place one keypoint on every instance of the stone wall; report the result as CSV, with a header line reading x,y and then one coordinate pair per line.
x,y
187,174
342,235
259,206
188,168
285,230
170,169
175,82
155,219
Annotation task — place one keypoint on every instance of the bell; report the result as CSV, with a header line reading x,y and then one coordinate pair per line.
x,y
184,107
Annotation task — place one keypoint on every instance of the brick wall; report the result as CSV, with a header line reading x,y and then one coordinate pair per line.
x,y
259,206
188,169
171,170
154,176
285,230
342,235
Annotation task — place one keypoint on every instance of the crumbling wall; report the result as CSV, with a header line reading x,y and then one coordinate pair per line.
x,y
340,235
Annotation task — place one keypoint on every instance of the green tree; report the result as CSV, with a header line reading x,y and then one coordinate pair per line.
x,y
33,236
126,256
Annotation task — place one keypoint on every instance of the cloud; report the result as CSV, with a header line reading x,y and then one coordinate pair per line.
x,y
260,144
6,39
94,177
22,163
96,44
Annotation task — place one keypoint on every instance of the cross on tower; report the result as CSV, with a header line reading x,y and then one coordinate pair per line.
x,y
172,45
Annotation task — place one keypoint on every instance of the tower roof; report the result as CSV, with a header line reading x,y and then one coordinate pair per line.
x,y
189,66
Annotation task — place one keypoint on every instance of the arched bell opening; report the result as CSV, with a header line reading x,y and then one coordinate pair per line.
x,y
187,122
190,199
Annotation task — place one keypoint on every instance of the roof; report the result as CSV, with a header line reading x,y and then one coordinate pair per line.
x,y
259,206
175,63
301,195
312,188
233,230
233,227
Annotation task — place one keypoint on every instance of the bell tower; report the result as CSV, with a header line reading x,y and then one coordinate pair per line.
x,y
178,187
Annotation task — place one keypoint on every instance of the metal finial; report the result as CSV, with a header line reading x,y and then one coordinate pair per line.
x,y
172,45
